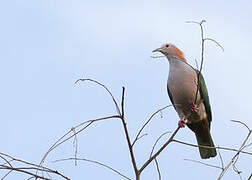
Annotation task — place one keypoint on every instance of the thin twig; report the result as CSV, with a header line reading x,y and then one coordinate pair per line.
x,y
159,151
209,165
133,160
250,177
236,121
238,152
116,105
153,147
142,136
202,55
222,163
202,52
95,162
218,147
62,140
25,170
158,170
152,150
75,145
157,56
6,174
216,42
147,122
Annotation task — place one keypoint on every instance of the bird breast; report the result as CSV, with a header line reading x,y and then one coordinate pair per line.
x,y
182,84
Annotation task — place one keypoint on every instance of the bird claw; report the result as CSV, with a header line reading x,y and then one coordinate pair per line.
x,y
194,108
182,123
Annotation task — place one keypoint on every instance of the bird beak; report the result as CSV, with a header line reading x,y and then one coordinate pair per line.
x,y
157,50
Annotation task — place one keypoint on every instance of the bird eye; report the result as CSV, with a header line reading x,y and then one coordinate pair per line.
x,y
167,45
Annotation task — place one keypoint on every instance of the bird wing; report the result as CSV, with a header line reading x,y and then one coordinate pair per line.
x,y
205,98
170,96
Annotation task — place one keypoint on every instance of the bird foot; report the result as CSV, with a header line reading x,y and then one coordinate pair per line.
x,y
194,108
182,123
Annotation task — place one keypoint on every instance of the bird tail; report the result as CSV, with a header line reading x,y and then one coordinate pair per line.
x,y
203,136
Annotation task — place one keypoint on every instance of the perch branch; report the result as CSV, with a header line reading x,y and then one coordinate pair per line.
x,y
202,51
218,147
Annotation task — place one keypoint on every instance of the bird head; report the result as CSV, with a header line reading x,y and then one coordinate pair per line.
x,y
171,51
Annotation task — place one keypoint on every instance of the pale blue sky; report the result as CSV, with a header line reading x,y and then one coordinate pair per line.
x,y
47,45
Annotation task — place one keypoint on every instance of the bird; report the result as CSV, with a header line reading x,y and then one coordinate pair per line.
x,y
183,83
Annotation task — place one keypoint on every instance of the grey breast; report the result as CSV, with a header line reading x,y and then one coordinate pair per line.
x,y
182,84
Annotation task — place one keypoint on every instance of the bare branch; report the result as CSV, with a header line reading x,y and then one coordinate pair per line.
x,y
238,152
141,136
156,161
213,40
159,151
6,174
157,57
223,148
95,162
116,105
152,150
24,171
236,121
195,22
196,63
250,177
147,122
64,138
75,145
27,169
158,170
202,51
209,165
133,160
222,164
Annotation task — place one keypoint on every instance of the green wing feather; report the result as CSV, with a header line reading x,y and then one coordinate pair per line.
x,y
205,98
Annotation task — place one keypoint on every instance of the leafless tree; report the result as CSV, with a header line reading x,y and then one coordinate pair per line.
x,y
34,171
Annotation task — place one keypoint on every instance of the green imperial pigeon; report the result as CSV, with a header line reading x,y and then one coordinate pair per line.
x,y
182,87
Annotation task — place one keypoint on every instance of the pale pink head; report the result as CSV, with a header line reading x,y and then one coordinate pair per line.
x,y
171,51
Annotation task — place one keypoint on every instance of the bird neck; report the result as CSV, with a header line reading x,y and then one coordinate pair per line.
x,y
177,58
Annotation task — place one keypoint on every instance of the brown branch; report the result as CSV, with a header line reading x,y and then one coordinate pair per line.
x,y
209,165
156,161
202,56
238,152
133,160
159,151
140,137
158,170
202,52
95,162
116,105
6,174
250,177
75,145
26,170
64,138
222,163
216,42
218,147
147,122
157,57
153,147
